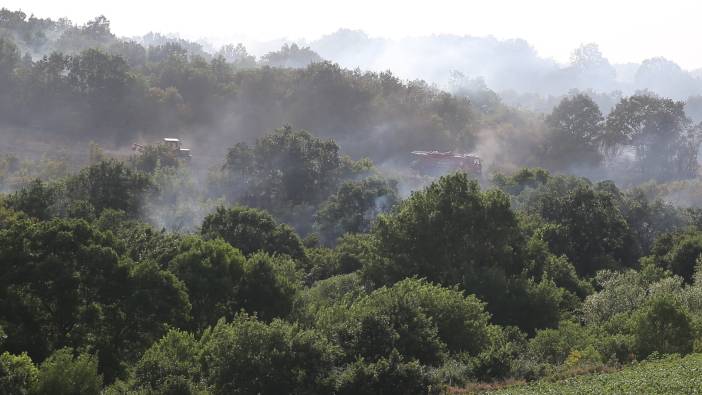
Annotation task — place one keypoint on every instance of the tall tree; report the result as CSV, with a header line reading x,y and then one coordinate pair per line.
x,y
665,144
575,133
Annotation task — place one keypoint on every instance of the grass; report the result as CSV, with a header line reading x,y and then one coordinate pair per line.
x,y
670,375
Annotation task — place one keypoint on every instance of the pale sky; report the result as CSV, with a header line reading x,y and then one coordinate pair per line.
x,y
626,30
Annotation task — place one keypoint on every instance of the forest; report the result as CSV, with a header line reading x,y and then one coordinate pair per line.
x,y
298,252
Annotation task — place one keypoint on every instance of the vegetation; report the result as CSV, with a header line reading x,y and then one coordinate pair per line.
x,y
670,375
284,260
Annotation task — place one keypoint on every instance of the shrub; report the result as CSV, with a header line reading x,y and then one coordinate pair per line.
x,y
64,374
18,375
663,326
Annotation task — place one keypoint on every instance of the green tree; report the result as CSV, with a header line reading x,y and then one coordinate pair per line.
x,y
666,145
663,326
285,168
247,356
172,359
575,132
251,230
108,88
237,55
619,293
677,252
454,234
64,284
212,272
391,375
291,56
424,320
448,233
9,59
649,219
18,375
109,185
354,207
36,200
587,226
270,286
64,374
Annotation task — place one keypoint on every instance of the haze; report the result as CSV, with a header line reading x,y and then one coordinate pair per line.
x,y
626,31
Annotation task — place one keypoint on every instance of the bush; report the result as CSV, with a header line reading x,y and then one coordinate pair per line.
x,y
64,374
554,345
420,320
664,327
213,272
385,376
247,356
270,286
37,200
109,185
354,207
18,375
251,230
678,252
170,362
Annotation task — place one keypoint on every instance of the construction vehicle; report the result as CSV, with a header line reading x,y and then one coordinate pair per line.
x,y
436,163
173,144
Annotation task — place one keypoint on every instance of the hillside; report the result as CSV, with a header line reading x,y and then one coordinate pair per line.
x,y
671,375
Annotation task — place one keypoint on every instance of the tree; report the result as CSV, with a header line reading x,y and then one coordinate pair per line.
x,y
237,55
270,286
291,56
154,157
94,34
64,374
354,207
171,359
18,375
677,252
665,144
251,230
9,59
106,84
453,234
567,211
620,293
36,200
575,133
391,375
448,233
247,356
592,70
666,78
421,321
586,226
649,219
64,285
663,326
285,168
212,272
109,185
131,51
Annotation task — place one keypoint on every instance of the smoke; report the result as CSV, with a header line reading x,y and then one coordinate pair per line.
x,y
380,116
511,67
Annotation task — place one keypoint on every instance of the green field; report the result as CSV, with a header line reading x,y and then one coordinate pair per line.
x,y
673,375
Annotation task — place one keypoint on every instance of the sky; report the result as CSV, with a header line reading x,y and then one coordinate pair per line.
x,y
626,30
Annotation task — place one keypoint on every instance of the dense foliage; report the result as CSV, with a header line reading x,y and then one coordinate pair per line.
x,y
272,262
